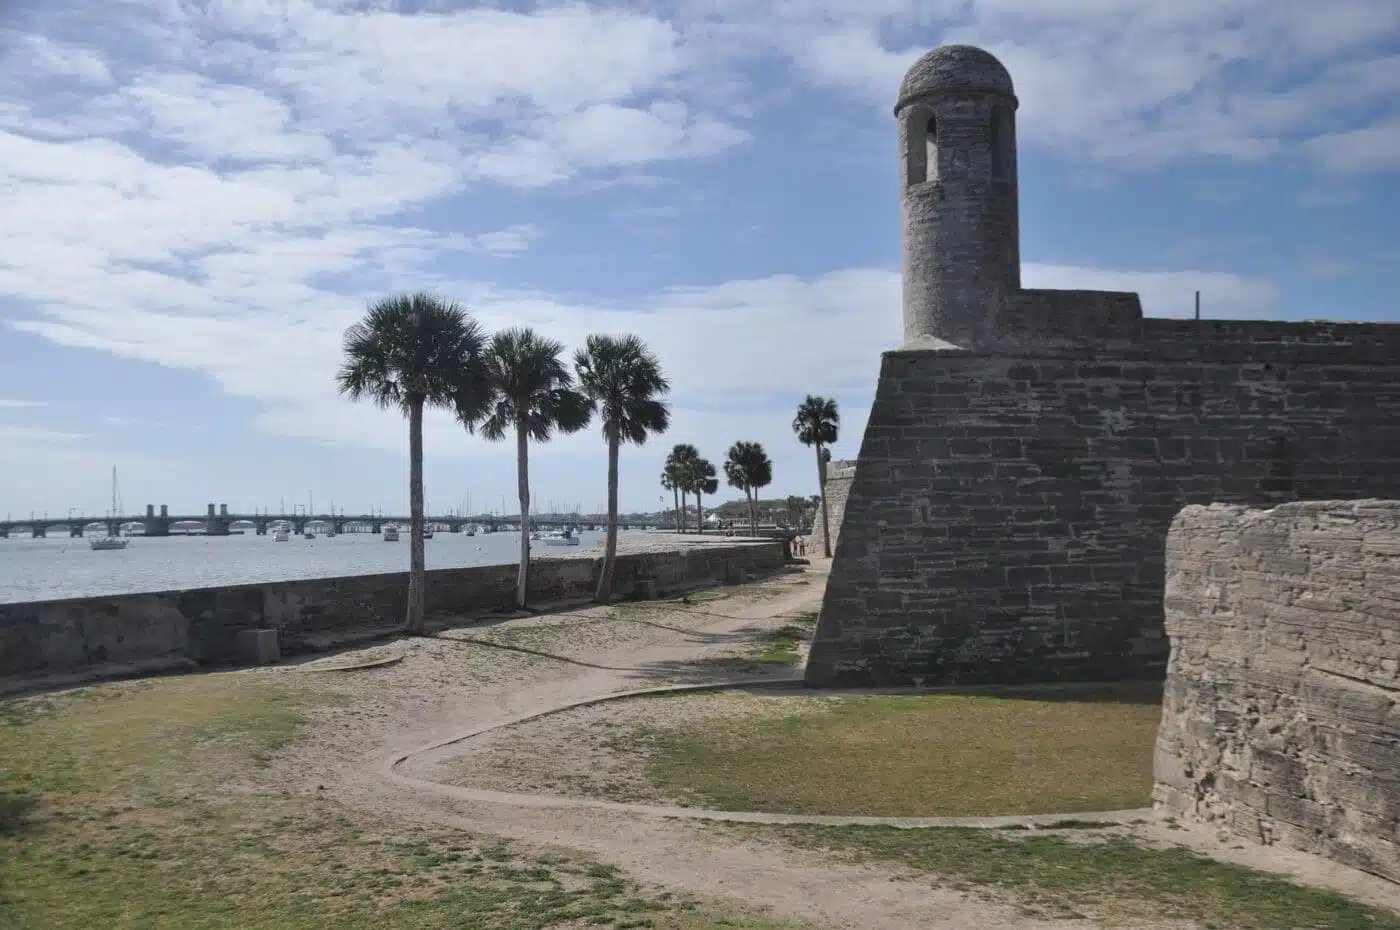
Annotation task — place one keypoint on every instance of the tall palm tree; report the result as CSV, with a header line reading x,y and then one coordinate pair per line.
x,y
748,468
703,481
817,424
533,396
624,383
411,352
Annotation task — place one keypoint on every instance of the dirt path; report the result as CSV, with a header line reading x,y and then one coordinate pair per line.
x,y
377,755
446,686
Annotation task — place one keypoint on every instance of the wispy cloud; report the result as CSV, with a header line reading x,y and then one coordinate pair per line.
x,y
12,404
221,186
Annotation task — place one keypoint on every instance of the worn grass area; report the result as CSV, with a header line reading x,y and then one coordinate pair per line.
x,y
781,646
927,755
124,807
1108,878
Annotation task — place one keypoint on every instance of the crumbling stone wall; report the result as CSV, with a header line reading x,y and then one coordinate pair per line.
x,y
839,475
1281,721
1009,513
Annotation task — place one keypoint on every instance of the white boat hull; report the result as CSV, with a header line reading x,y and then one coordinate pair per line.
x,y
103,543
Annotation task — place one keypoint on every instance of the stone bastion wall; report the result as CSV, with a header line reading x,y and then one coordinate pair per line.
x,y
1281,721
81,636
839,476
1009,512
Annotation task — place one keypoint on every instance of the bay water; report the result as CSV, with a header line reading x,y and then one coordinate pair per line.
x,y
45,569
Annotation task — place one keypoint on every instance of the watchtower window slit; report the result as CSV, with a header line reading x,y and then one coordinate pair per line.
x,y
931,147
1001,144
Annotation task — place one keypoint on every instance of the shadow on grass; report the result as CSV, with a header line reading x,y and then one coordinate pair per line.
x,y
16,812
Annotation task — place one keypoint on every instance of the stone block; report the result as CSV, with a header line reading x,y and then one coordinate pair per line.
x,y
645,589
258,647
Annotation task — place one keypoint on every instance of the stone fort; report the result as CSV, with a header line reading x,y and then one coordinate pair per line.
x,y
1028,449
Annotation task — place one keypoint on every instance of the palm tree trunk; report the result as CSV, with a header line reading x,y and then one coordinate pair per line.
x,y
414,623
753,516
676,496
605,577
826,519
684,515
522,458
699,515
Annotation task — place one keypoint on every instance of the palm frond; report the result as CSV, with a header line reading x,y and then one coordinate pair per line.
x,y
624,382
411,346
817,421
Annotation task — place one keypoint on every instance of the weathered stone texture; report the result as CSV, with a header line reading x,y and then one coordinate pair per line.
x,y
1281,720
839,476
205,624
1009,512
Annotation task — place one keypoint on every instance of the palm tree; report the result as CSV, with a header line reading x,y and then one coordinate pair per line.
x,y
681,461
623,382
703,481
669,474
748,468
533,396
817,424
411,352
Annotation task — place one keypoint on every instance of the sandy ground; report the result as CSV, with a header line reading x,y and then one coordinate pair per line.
x,y
477,676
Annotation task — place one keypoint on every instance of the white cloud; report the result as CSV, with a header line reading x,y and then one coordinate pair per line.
x,y
219,186
1122,80
12,404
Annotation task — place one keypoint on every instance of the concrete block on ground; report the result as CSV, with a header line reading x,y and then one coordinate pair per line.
x,y
258,647
645,589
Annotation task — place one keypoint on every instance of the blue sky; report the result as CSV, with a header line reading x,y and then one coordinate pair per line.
x,y
198,198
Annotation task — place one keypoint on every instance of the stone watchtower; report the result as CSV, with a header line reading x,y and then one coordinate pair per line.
x,y
1028,449
957,142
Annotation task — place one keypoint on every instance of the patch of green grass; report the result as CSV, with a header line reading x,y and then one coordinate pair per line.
x,y
1100,877
134,812
926,755
780,646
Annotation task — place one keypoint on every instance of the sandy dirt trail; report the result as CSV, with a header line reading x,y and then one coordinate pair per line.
x,y
445,687
489,673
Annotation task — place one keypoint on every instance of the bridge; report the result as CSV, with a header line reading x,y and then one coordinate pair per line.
x,y
219,522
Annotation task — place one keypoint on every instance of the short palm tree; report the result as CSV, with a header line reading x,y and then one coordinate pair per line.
x,y
748,468
533,396
703,481
681,461
623,381
669,476
408,353
818,423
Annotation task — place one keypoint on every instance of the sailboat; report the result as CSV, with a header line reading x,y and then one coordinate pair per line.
x,y
113,539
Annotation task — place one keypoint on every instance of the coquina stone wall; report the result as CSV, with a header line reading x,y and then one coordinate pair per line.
x,y
1281,720
839,476
1009,513
202,624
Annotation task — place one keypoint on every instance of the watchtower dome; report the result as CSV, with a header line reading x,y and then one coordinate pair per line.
x,y
957,143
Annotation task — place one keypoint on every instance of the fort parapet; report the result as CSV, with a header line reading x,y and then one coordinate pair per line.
x,y
1027,450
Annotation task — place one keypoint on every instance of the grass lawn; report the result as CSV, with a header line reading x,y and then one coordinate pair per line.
x,y
121,807
926,755
1110,878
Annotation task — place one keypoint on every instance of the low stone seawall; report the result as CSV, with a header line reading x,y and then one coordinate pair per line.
x,y
62,637
1281,716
